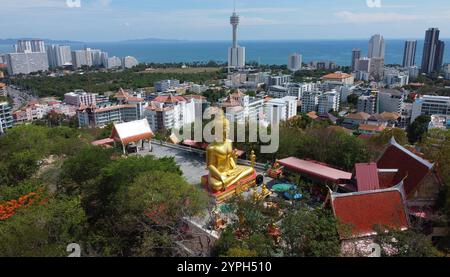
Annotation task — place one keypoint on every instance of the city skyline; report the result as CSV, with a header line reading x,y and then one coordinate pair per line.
x,y
116,20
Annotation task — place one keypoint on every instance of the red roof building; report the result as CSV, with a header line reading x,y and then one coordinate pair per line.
x,y
169,99
316,170
361,212
421,181
367,176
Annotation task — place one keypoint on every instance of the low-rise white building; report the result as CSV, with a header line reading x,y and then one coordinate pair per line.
x,y
78,97
239,107
310,100
396,78
282,109
328,101
169,111
431,105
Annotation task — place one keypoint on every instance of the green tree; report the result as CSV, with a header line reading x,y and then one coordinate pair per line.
x,y
43,230
310,233
83,167
418,128
409,243
384,137
145,215
237,252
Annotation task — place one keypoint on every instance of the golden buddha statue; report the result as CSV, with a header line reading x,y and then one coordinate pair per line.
x,y
253,159
221,160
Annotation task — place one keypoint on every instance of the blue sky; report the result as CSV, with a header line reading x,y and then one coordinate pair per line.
x,y
112,20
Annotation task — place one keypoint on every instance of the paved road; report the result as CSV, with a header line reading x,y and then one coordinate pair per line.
x,y
19,97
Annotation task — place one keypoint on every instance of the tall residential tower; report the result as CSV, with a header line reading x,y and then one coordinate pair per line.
x,y
433,52
376,46
409,55
356,55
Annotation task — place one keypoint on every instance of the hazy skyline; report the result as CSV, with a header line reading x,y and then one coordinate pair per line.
x,y
115,20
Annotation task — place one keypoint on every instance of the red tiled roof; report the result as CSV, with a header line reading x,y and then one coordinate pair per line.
x,y
122,94
367,176
315,169
102,141
194,96
372,128
169,99
363,211
410,165
111,108
337,76
135,99
230,102
358,116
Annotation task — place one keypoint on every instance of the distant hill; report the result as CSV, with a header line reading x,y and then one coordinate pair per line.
x,y
12,41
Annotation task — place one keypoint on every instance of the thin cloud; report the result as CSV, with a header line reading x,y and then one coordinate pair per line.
x,y
381,17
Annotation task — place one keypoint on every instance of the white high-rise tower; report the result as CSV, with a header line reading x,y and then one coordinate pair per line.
x,y
236,53
376,46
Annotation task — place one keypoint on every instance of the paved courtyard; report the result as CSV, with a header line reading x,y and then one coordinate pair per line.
x,y
192,164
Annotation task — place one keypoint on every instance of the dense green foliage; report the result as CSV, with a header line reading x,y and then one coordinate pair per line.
x,y
23,149
213,96
310,233
409,243
307,139
43,231
304,232
418,128
90,196
99,82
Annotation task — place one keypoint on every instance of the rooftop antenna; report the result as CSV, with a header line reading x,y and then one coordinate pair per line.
x,y
234,6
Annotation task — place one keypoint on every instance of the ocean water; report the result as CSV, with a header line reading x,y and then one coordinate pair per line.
x,y
265,52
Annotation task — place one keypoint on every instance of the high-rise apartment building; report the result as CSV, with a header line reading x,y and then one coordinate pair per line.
x,y
129,62
433,52
114,62
409,54
59,55
376,46
28,46
356,55
26,63
295,62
